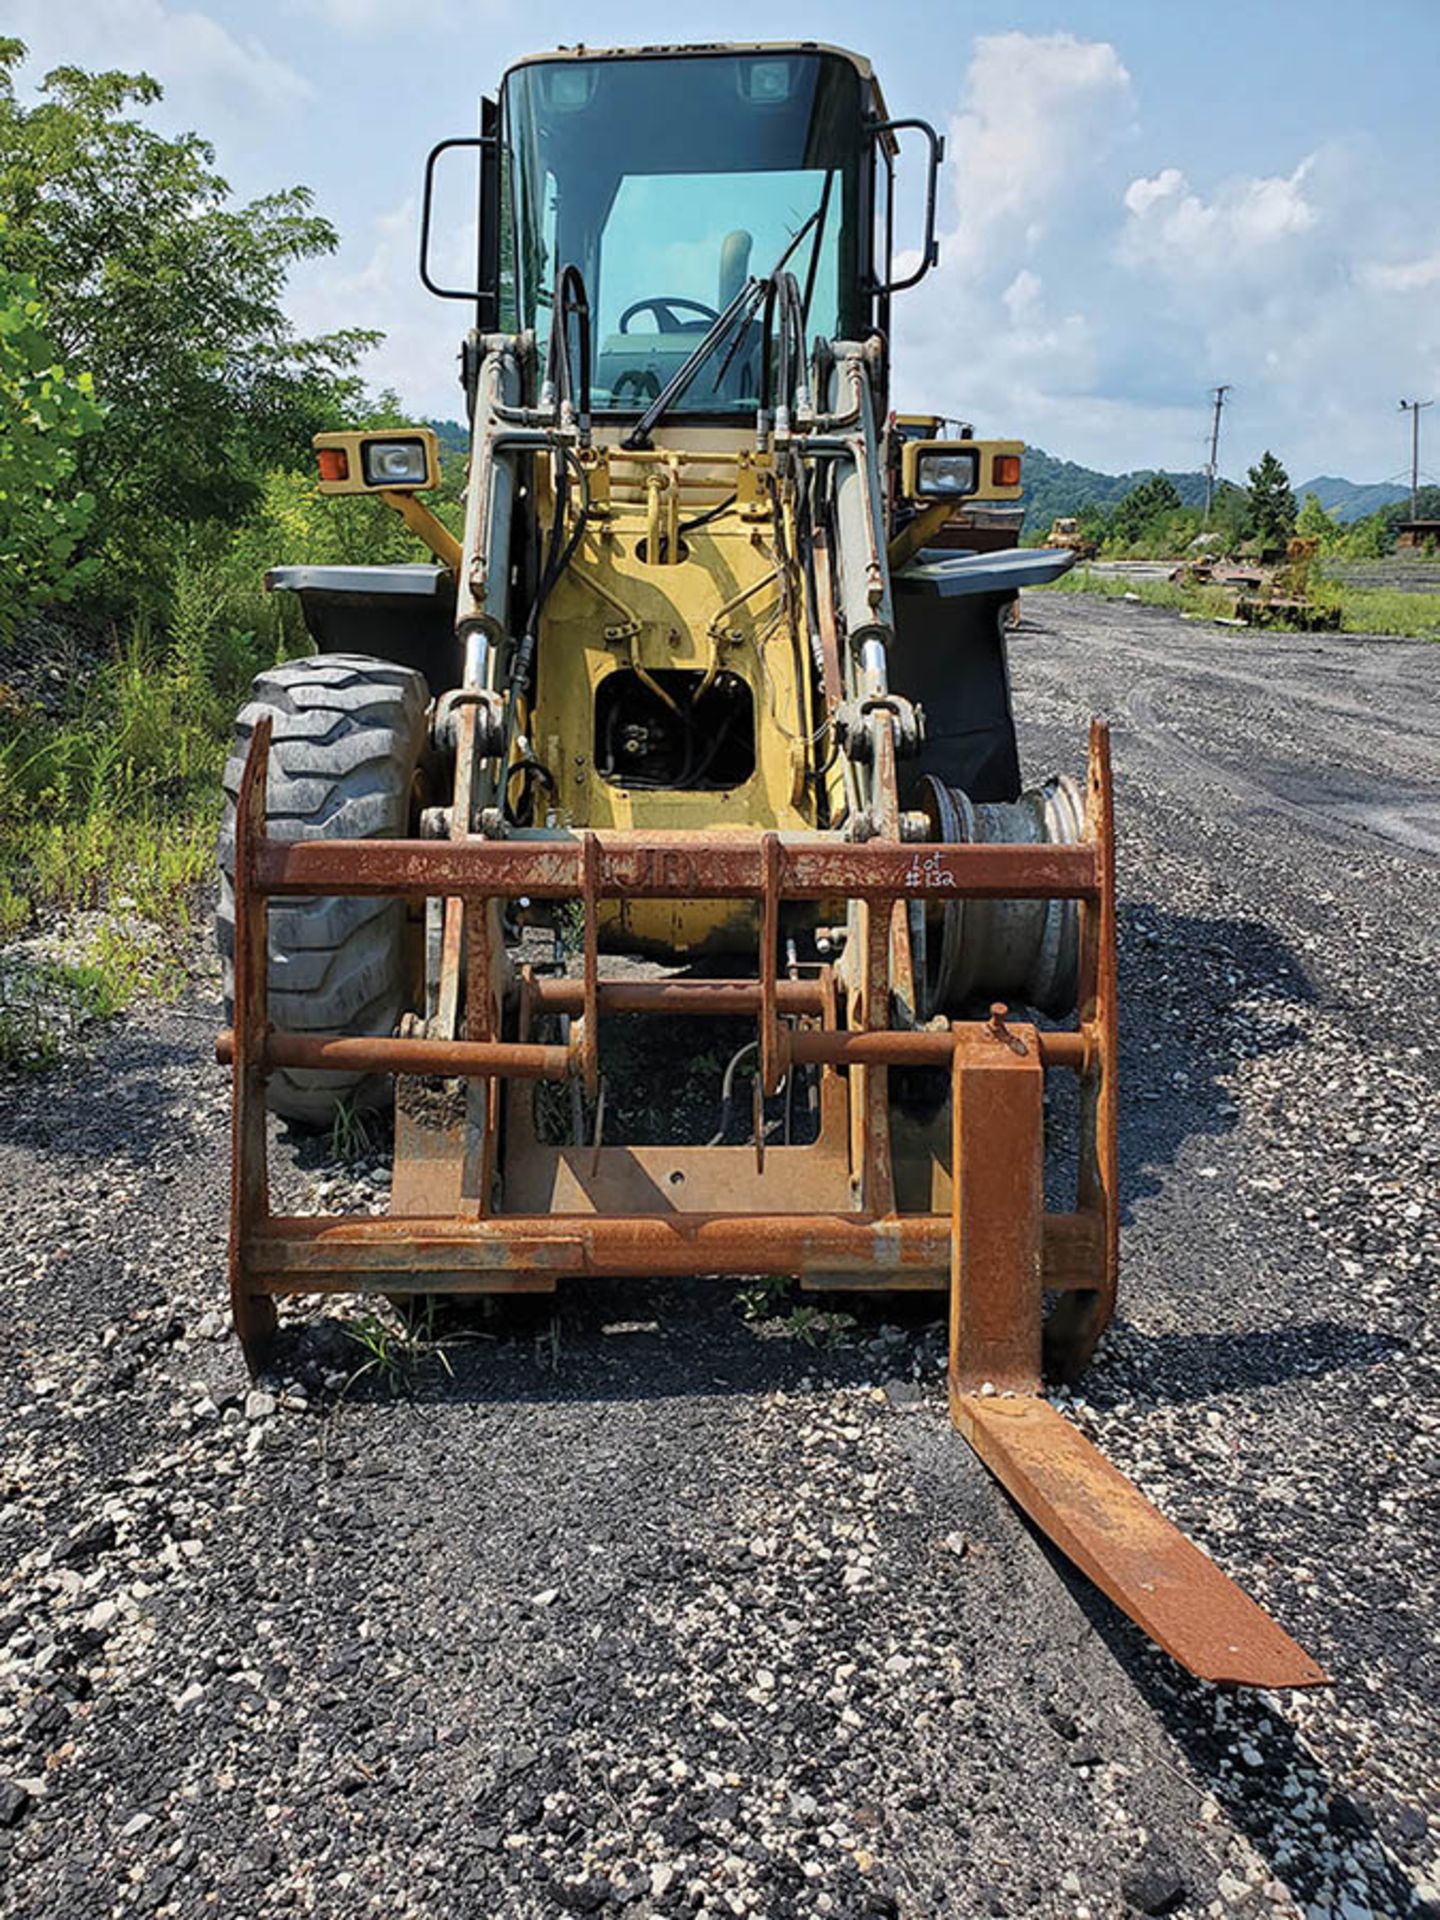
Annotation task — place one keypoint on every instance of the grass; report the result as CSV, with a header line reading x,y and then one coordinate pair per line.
x,y
1214,602
1411,616
767,1300
1381,610
394,1346
762,1298
42,1002
111,801
351,1134
111,798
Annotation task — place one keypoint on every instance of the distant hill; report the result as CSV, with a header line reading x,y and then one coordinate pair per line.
x,y
1056,487
1351,499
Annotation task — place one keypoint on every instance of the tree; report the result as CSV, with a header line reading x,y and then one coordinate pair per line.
x,y
171,297
1367,539
1315,523
1272,504
45,415
1142,507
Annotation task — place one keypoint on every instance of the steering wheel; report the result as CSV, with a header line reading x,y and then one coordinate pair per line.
x,y
663,306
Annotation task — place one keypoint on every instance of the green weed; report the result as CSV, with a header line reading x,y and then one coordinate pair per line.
x,y
395,1345
25,1046
1413,616
815,1326
112,798
761,1298
14,910
351,1137
765,1298
42,1004
548,1350
1214,602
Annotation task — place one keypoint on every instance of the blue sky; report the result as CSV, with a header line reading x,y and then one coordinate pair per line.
x,y
1142,197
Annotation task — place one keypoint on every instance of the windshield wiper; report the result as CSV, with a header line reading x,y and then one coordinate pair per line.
x,y
745,302
639,435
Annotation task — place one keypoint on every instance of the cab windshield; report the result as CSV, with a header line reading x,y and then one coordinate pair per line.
x,y
668,182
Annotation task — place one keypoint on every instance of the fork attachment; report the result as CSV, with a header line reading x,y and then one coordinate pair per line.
x,y
481,1205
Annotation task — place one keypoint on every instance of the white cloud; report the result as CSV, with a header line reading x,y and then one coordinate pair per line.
x,y
372,282
1141,195
1022,296
1405,276
1036,111
194,57
1087,305
1187,236
990,337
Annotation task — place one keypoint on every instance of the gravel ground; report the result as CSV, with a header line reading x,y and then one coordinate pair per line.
x,y
640,1606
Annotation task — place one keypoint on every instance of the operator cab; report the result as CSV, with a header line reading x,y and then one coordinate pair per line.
x,y
672,180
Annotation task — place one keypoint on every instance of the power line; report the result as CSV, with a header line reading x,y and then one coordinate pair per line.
x,y
1415,408
1212,466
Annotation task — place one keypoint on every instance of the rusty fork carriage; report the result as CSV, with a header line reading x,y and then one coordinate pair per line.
x,y
481,1205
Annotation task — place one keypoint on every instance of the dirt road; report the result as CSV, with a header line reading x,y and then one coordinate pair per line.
x,y
652,1609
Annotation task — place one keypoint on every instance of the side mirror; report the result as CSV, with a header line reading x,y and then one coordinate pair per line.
x,y
930,247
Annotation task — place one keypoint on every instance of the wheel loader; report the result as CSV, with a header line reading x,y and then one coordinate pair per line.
x,y
1065,533
690,725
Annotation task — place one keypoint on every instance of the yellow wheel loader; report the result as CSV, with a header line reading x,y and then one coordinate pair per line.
x,y
1066,535
692,689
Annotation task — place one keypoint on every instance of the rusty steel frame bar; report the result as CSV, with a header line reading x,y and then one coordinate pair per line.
x,y
294,1252
998,1197
379,1053
1074,1328
718,999
288,1254
896,1047
252,1313
674,866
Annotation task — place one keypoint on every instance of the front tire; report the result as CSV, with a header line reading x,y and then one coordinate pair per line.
x,y
348,735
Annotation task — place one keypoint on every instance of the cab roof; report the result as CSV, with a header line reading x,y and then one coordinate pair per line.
x,y
681,51
581,52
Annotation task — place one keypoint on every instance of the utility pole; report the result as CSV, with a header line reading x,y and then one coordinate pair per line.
x,y
1212,466
1414,408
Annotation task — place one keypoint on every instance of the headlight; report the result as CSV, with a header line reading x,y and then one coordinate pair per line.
x,y
405,460
939,476
395,463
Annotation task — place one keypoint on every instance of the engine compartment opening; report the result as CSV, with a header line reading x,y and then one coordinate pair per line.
x,y
674,727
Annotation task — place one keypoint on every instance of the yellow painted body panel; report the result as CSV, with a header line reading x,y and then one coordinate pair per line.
x,y
719,608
